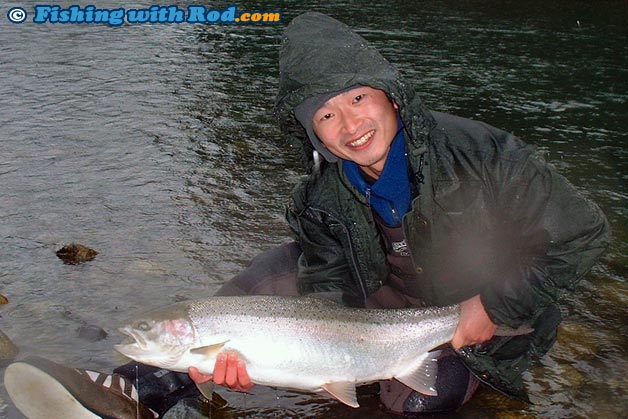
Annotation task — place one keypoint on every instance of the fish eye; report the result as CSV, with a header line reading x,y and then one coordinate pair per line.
x,y
143,326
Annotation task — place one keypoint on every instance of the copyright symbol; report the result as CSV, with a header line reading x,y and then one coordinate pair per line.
x,y
16,15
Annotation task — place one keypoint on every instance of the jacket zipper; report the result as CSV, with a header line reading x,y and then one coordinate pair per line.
x,y
353,259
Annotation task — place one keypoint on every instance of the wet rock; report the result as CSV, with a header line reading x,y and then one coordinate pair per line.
x,y
85,330
8,350
185,409
3,299
91,333
74,253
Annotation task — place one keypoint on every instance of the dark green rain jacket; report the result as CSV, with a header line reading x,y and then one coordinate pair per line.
x,y
492,217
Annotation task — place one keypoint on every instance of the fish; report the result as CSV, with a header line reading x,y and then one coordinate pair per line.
x,y
302,343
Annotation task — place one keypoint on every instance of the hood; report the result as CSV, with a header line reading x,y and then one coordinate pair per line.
x,y
320,55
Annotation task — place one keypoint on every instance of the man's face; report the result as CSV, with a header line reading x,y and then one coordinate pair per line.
x,y
358,125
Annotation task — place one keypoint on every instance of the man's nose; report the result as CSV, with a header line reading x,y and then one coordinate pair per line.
x,y
350,122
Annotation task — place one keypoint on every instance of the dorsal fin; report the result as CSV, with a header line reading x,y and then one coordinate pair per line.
x,y
343,391
423,378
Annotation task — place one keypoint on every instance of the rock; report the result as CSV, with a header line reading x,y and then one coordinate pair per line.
x,y
8,350
74,253
185,409
3,299
91,333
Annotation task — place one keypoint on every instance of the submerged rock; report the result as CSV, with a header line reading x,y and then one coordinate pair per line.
x,y
8,350
91,333
185,409
74,253
85,330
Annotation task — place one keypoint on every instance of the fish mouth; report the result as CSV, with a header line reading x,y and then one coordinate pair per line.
x,y
143,350
139,340
129,350
133,347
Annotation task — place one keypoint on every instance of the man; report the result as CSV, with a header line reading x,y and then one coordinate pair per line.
x,y
406,207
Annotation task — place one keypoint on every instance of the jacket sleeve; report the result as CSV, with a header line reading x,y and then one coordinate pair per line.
x,y
563,234
322,265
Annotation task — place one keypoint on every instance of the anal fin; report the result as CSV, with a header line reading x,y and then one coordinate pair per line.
x,y
343,391
423,378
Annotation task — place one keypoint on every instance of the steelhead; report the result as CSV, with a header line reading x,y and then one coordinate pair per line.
x,y
301,343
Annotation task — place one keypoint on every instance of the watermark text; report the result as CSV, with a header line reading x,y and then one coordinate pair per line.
x,y
154,14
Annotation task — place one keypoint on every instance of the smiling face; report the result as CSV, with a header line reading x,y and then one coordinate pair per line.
x,y
358,125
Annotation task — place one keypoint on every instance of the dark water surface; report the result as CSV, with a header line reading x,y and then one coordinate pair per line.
x,y
155,145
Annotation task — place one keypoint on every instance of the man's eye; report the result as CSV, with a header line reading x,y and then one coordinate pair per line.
x,y
358,98
326,116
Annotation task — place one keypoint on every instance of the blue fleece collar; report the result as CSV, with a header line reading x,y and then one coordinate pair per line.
x,y
390,195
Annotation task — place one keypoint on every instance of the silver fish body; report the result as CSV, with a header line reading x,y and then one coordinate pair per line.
x,y
301,343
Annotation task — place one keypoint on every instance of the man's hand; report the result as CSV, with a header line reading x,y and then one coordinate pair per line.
x,y
229,371
474,325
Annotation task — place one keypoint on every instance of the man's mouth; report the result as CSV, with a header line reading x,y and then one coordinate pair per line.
x,y
362,140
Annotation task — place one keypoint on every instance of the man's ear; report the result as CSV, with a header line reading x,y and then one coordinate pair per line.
x,y
395,105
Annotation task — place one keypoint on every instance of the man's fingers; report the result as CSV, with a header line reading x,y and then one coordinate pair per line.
x,y
220,369
231,375
456,343
243,376
229,371
197,376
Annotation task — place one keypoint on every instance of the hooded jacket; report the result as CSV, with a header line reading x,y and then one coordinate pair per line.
x,y
491,217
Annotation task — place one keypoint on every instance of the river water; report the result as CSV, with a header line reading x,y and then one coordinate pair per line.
x,y
156,146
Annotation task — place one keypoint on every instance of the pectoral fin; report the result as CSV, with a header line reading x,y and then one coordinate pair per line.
x,y
209,351
343,391
423,378
216,401
206,389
